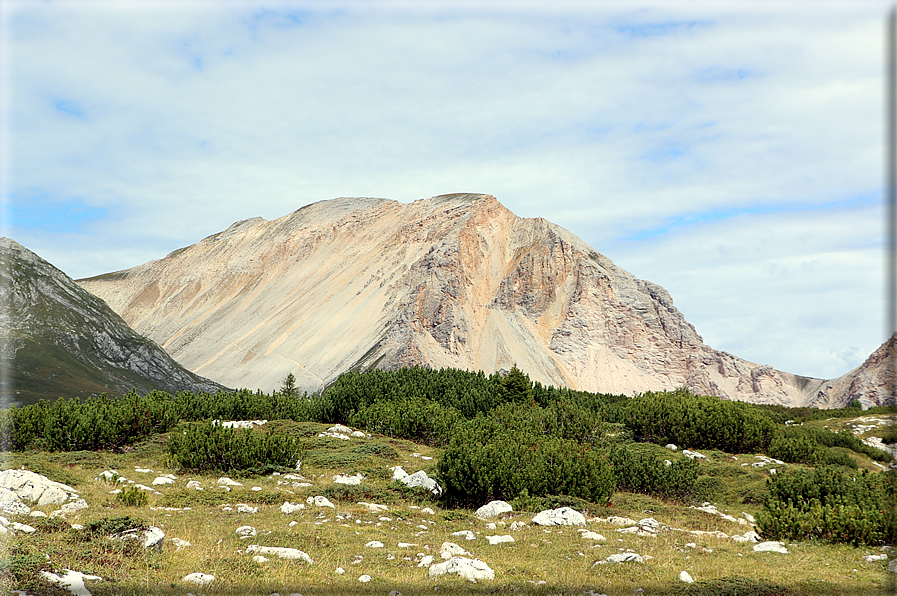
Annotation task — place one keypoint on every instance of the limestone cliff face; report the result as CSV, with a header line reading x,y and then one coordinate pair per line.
x,y
872,383
58,340
454,280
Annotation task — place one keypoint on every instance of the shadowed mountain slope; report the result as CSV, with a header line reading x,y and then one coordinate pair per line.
x,y
60,340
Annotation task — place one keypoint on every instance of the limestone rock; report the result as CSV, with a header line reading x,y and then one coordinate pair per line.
x,y
771,547
289,508
73,581
418,479
494,509
466,534
319,501
26,486
282,552
472,569
450,281
354,480
685,577
450,549
200,579
564,516
500,539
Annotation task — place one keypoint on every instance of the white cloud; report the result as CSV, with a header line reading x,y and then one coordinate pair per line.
x,y
144,127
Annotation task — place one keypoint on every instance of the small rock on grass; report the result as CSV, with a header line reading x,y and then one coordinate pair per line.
x,y
685,577
200,579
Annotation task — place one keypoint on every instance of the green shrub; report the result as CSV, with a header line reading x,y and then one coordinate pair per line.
x,y
698,422
413,418
830,504
131,497
487,460
639,472
211,447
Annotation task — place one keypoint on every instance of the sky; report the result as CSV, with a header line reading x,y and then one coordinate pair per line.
x,y
731,152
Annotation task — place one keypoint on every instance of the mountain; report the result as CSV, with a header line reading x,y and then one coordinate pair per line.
x,y
872,383
60,340
451,281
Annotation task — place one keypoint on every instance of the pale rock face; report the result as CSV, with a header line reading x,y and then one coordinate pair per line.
x,y
494,509
467,568
451,281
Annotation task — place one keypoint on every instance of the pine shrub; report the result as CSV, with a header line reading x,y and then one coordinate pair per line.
x,y
211,447
831,504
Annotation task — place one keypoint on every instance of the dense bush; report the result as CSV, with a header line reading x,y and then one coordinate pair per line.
x,y
831,504
486,460
414,418
211,447
698,422
639,472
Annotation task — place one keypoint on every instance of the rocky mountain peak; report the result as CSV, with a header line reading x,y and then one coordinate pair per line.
x,y
450,281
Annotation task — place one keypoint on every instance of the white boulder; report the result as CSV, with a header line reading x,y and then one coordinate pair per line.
x,y
499,539
289,508
564,516
494,509
320,501
22,485
225,481
450,549
467,534
246,531
685,577
771,547
472,569
200,579
152,538
73,581
282,552
350,480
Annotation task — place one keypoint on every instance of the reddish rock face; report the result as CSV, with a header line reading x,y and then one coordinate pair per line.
x,y
451,281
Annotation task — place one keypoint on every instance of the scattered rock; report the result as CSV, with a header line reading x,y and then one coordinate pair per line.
x,y
685,577
693,454
152,537
350,480
621,521
289,508
494,509
240,423
418,479
589,535
73,581
282,552
500,539
468,534
621,558
517,525
771,546
339,571
671,447
374,507
375,544
162,480
564,516
365,578
873,558
179,544
200,579
225,481
425,561
260,559
72,507
246,531
244,508
472,569
319,501
450,549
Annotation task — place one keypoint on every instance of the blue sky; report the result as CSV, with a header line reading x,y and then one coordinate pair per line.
x,y
729,151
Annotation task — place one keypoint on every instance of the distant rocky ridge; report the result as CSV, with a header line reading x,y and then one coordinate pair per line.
x,y
58,340
451,281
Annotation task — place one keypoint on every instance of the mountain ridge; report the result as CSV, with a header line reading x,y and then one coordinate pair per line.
x,y
61,341
450,281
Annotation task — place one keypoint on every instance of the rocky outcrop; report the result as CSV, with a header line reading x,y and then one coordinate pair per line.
x,y
451,281
872,383
60,340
